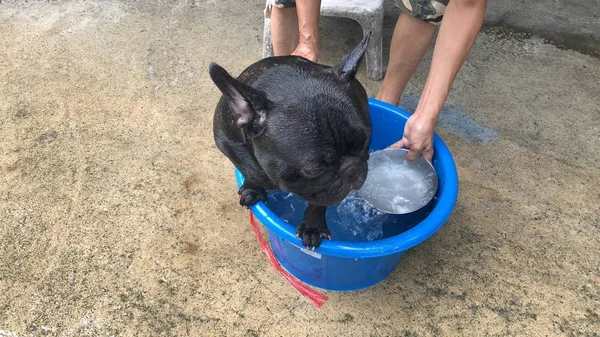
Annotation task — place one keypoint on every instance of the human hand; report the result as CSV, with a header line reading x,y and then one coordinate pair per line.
x,y
418,137
307,50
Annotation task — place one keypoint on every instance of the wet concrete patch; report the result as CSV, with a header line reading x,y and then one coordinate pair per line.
x,y
455,120
47,137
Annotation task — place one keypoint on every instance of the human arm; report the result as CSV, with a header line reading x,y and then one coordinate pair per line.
x,y
461,24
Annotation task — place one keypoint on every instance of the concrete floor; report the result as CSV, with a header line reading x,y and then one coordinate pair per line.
x,y
118,216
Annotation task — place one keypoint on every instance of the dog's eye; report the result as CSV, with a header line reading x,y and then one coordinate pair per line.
x,y
313,172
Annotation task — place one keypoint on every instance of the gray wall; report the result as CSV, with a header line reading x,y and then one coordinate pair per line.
x,y
572,23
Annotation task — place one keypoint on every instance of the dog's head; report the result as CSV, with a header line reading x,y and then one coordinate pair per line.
x,y
307,124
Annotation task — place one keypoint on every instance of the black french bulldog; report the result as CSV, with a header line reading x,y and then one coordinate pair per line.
x,y
290,124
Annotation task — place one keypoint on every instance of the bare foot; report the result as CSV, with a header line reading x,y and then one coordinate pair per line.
x,y
308,51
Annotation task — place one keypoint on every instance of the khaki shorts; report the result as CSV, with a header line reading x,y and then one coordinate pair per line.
x,y
430,11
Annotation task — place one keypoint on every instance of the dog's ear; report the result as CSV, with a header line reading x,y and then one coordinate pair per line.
x,y
248,104
347,68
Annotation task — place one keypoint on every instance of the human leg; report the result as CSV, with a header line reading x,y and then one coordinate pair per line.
x,y
410,41
284,27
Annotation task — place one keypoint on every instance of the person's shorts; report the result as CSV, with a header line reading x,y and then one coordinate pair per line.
x,y
430,11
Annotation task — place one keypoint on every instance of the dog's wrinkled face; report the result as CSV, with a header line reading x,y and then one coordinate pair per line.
x,y
321,154
308,125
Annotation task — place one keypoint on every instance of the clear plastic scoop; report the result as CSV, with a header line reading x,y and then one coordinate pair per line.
x,y
395,185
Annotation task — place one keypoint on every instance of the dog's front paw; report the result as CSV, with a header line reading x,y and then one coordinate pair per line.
x,y
312,235
250,194
313,227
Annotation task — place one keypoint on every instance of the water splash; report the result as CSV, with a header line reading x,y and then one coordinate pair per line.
x,y
352,220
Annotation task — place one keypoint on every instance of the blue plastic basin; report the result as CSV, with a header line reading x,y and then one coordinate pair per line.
x,y
349,262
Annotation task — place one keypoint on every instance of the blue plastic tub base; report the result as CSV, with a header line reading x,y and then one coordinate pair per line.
x,y
330,272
